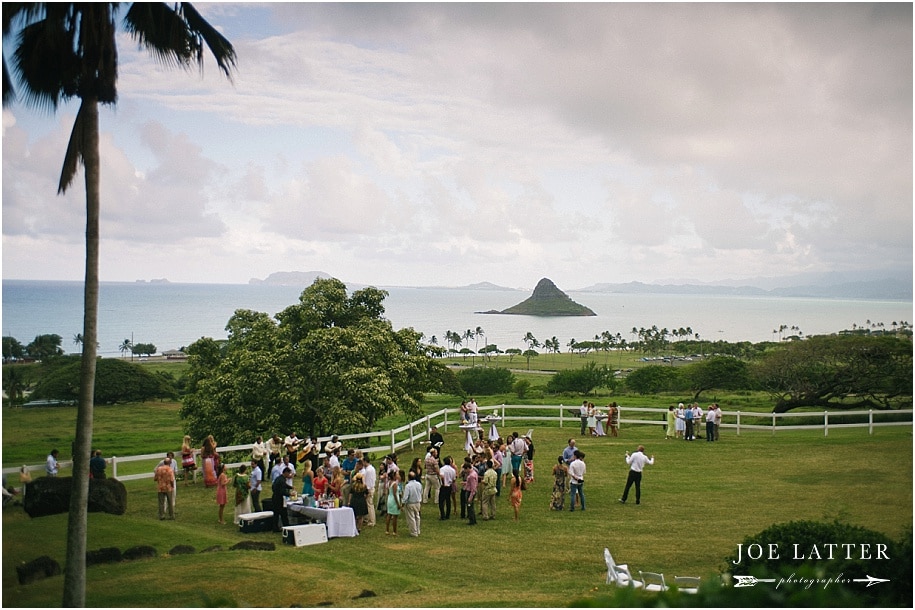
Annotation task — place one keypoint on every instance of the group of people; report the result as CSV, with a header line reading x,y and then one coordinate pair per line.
x,y
592,419
685,422
569,476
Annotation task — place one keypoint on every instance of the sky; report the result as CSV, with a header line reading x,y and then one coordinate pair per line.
x,y
449,144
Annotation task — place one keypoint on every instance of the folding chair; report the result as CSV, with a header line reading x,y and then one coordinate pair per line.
x,y
618,574
653,581
687,584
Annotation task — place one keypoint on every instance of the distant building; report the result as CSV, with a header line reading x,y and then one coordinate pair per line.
x,y
174,354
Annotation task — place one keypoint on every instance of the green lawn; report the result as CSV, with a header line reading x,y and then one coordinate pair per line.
x,y
699,501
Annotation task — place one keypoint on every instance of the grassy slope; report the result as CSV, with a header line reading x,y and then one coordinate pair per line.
x,y
740,485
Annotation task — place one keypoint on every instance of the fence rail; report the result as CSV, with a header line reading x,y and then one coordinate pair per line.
x,y
415,432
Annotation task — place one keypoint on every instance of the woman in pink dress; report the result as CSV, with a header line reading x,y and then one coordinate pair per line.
x,y
210,461
222,495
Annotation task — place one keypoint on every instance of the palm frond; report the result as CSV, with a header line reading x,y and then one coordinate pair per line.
x,y
46,61
158,28
219,46
74,153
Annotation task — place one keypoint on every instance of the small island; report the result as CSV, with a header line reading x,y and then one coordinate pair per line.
x,y
547,300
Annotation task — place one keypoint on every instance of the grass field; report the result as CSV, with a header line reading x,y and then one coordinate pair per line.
x,y
699,501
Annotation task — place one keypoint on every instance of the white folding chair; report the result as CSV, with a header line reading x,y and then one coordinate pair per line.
x,y
687,584
618,574
653,581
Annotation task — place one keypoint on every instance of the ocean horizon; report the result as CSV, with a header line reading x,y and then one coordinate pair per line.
x,y
174,315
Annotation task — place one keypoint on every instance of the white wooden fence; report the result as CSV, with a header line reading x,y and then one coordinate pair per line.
x,y
416,432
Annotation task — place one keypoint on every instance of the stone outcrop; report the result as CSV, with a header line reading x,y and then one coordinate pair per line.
x,y
51,495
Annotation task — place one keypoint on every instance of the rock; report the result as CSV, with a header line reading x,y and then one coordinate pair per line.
x,y
106,555
366,593
42,567
51,496
182,549
548,300
140,552
253,545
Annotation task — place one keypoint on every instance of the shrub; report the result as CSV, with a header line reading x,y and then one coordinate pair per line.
x,y
115,381
654,379
521,387
581,381
486,381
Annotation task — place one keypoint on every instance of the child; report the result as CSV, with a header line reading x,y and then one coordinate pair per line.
x,y
395,490
515,498
222,483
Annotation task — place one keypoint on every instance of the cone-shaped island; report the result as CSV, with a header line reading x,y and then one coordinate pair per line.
x,y
547,300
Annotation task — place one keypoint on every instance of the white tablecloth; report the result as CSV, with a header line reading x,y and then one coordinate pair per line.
x,y
341,522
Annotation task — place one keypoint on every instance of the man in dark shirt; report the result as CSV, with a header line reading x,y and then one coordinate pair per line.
x,y
436,439
281,489
97,465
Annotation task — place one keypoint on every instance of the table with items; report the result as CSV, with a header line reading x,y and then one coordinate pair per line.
x,y
340,522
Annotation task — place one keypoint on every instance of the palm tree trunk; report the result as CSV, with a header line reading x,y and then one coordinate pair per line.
x,y
77,524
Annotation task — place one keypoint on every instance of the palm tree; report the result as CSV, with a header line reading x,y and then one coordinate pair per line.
x,y
69,50
78,341
125,347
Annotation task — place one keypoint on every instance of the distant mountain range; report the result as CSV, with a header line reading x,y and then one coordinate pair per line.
x,y
830,286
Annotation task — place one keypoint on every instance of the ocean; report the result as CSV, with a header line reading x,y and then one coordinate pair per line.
x,y
173,315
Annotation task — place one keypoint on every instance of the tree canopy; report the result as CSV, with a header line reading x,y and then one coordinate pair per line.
x,y
116,381
330,364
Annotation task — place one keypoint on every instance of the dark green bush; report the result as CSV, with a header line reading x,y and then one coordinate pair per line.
x,y
115,381
581,381
486,381
655,378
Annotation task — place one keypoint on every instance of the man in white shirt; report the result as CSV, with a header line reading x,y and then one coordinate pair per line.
x,y
448,475
369,477
254,485
583,413
51,468
577,471
637,461
292,444
517,448
710,424
332,444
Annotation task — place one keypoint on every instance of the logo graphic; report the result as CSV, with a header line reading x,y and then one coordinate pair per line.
x,y
752,581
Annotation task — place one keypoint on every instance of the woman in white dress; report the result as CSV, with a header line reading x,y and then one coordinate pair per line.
x,y
592,421
681,423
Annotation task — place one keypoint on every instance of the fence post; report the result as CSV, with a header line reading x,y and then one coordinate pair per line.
x,y
392,441
411,436
825,423
114,466
870,422
560,414
773,423
738,423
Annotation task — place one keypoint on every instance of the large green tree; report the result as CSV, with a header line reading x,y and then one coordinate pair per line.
x,y
845,372
329,364
65,51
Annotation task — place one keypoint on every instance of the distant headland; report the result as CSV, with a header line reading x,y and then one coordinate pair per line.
x,y
546,300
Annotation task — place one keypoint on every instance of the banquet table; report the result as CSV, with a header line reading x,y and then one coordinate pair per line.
x,y
341,522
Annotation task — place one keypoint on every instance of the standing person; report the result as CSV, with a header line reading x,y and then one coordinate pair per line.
x,y
697,420
436,439
592,420
489,492
259,455
688,418
292,443
51,467
370,478
505,466
210,458
680,426
254,485
560,484
274,448
637,461
516,493
394,503
242,492
583,414
348,467
320,483
412,503
97,465
165,484
332,445
358,499
448,475
717,420
710,424
188,460
613,419
311,451
577,471
671,423
433,480
528,459
469,491
568,454
308,477
517,447
222,495
281,488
